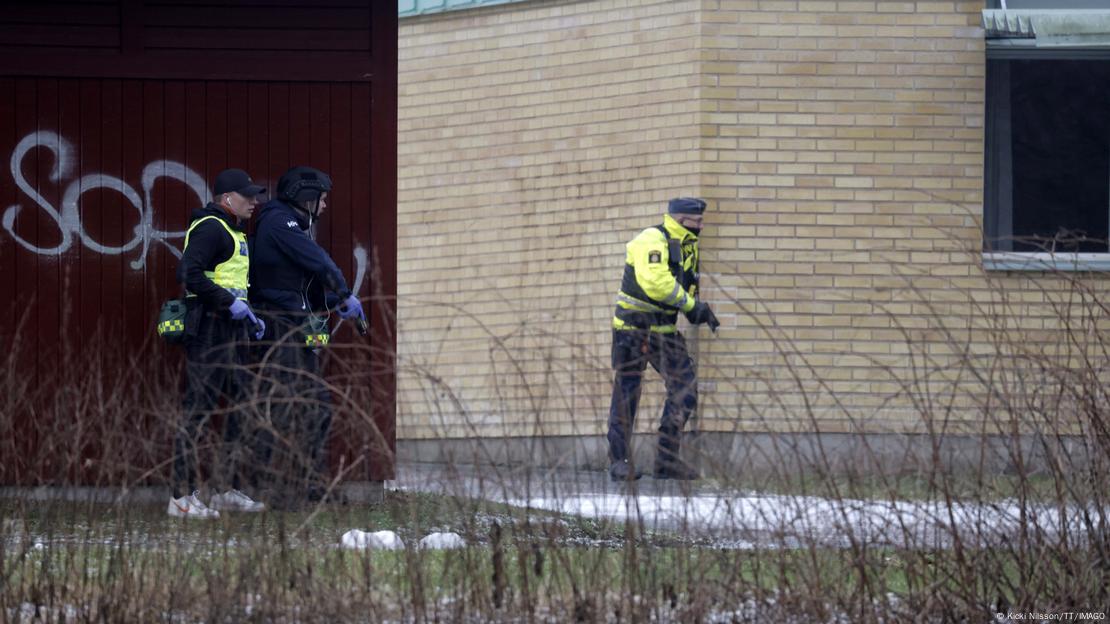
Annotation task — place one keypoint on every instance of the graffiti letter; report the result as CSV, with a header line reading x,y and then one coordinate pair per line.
x,y
360,268
71,216
151,173
63,165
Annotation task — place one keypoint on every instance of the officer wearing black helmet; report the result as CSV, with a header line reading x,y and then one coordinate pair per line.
x,y
294,285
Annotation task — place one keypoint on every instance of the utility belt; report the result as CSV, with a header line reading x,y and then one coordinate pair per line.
x,y
238,293
645,320
307,328
198,315
633,313
179,319
198,309
194,306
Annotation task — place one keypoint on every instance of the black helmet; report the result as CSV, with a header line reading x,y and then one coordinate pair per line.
x,y
302,185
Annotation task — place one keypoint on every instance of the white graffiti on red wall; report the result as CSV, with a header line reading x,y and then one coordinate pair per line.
x,y
68,218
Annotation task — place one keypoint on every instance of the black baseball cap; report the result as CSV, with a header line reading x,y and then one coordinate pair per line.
x,y
236,180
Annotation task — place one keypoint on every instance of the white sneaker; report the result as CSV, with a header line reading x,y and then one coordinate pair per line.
x,y
234,500
190,507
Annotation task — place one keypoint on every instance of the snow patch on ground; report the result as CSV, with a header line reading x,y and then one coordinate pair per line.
x,y
440,541
826,521
378,540
388,540
730,518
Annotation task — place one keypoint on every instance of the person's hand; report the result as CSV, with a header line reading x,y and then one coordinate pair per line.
x,y
240,310
712,321
351,308
697,314
701,313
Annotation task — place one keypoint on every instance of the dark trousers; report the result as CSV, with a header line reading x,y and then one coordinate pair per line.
x,y
294,442
215,372
633,350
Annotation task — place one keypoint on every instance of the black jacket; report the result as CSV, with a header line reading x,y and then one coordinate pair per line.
x,y
209,245
289,271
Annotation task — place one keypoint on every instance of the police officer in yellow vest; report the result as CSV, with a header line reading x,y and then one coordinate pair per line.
x,y
214,268
660,280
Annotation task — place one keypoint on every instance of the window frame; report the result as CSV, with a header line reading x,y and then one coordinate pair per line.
x,y
998,176
1048,5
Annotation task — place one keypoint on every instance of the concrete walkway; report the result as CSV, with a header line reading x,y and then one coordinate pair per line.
x,y
737,519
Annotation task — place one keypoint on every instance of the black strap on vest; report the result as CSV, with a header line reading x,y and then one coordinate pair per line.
x,y
674,254
686,278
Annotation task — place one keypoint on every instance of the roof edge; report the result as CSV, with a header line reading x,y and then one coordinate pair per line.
x,y
1050,27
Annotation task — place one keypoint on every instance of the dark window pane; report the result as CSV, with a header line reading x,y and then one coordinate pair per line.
x,y
1060,125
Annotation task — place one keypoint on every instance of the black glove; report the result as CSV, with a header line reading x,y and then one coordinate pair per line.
x,y
713,322
701,313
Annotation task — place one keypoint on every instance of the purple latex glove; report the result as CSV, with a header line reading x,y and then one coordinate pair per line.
x,y
351,308
240,311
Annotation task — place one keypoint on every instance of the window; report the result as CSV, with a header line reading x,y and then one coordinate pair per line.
x,y
1051,156
1047,153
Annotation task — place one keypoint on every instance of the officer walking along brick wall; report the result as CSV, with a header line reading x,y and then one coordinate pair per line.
x,y
295,283
660,280
214,268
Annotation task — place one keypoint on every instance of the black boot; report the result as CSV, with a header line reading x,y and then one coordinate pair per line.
x,y
624,471
675,469
668,464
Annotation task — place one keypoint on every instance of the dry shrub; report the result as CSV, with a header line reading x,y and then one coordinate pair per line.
x,y
1016,523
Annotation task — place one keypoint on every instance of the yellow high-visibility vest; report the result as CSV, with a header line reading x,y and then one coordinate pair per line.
x,y
231,274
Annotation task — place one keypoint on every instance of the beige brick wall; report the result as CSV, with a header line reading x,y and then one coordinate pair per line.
x,y
840,145
845,151
533,139
846,163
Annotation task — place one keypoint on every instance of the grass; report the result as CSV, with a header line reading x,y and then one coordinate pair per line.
x,y
410,514
135,563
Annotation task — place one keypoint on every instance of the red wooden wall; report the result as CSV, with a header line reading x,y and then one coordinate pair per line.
x,y
114,119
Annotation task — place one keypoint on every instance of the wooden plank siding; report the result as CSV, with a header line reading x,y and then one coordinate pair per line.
x,y
117,104
234,40
380,146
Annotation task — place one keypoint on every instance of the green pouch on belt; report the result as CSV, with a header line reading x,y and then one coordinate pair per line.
x,y
316,332
171,321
